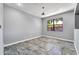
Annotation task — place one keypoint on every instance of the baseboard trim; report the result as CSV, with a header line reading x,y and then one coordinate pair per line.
x,y
37,37
21,41
59,38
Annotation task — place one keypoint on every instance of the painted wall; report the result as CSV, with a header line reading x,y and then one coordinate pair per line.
x,y
76,40
76,30
1,29
77,17
68,26
19,25
77,22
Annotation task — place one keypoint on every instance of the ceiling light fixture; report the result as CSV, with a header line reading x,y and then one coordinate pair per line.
x,y
43,13
19,4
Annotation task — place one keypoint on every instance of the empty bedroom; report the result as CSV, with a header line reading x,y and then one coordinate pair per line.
x,y
39,28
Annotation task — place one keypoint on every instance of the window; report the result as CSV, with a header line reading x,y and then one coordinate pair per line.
x,y
55,24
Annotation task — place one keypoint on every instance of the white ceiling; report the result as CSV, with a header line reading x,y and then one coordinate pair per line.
x,y
50,8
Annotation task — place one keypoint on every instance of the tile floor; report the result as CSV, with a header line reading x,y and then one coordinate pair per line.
x,y
41,46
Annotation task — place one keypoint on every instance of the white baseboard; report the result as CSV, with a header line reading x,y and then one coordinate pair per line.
x,y
76,49
21,41
58,38
37,37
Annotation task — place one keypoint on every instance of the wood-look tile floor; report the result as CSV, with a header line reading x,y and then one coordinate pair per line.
x,y
41,46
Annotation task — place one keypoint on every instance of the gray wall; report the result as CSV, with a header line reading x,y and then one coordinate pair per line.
x,y
76,40
1,29
77,17
68,26
76,30
19,25
76,21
